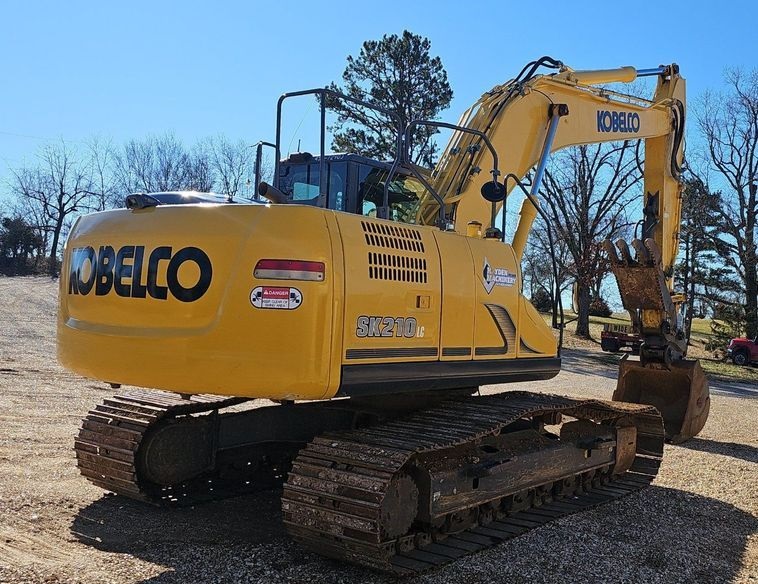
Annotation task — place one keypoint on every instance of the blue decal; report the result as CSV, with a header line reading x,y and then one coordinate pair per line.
x,y
609,121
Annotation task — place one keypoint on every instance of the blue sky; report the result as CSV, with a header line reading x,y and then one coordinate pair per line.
x,y
123,70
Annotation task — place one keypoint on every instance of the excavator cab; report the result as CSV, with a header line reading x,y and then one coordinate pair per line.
x,y
352,183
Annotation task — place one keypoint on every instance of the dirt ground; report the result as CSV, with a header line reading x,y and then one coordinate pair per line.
x,y
697,523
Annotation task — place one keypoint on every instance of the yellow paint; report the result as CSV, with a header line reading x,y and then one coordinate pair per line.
x,y
450,296
219,343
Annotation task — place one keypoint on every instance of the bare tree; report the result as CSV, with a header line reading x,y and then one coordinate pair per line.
x,y
729,122
231,163
171,163
538,266
57,188
102,158
586,191
200,174
161,163
134,167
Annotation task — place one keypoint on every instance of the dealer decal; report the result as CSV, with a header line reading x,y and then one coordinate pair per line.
x,y
276,297
492,277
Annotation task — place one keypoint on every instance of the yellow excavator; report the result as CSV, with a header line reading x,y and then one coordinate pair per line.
x,y
368,302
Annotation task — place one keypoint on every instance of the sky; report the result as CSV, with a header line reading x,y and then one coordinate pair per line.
x,y
73,70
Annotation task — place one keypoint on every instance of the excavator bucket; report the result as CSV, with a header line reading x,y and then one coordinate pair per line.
x,y
679,391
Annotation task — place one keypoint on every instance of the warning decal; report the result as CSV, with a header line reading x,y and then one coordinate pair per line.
x,y
276,297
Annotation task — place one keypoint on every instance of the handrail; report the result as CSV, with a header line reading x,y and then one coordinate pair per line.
x,y
323,92
259,160
407,139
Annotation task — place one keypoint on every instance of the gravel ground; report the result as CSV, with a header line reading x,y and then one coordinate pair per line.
x,y
697,523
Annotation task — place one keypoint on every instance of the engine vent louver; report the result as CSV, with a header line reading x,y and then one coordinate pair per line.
x,y
392,237
406,264
387,266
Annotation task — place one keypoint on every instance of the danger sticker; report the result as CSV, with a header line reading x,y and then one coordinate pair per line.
x,y
276,297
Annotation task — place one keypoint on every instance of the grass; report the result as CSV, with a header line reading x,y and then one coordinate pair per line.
x,y
701,334
701,327
726,370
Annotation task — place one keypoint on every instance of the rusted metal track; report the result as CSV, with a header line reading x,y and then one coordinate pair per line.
x,y
353,494
171,450
348,493
110,437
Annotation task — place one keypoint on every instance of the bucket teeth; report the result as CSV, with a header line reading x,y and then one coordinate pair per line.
x,y
611,251
643,256
654,250
625,253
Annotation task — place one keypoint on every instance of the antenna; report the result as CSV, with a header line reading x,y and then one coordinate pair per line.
x,y
298,144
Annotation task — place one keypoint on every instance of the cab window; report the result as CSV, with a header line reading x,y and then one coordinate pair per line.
x,y
301,183
404,194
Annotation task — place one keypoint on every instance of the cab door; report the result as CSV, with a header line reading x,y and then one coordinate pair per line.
x,y
459,302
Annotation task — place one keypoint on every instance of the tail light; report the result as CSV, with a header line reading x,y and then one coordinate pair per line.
x,y
289,270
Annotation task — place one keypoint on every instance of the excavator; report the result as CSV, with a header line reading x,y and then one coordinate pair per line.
x,y
335,339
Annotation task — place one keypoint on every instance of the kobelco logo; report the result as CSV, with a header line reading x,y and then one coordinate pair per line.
x,y
608,121
124,272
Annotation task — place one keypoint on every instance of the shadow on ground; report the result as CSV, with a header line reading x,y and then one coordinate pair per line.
x,y
584,362
734,388
660,534
744,452
590,363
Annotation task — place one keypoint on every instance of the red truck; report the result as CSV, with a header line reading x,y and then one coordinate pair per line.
x,y
616,336
743,351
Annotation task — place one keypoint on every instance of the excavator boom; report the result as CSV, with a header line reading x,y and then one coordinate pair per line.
x,y
531,116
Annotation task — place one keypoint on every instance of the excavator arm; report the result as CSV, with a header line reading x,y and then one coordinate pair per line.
x,y
517,118
532,116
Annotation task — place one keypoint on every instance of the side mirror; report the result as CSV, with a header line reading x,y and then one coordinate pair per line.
x,y
493,191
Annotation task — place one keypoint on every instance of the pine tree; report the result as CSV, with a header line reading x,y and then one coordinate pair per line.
x,y
699,231
399,74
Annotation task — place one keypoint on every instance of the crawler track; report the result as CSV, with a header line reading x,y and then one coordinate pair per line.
x,y
334,499
110,437
348,492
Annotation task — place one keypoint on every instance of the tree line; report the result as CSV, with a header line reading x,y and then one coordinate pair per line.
x,y
67,180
